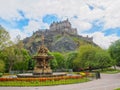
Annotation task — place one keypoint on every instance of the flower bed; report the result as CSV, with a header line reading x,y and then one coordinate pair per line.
x,y
47,81
81,75
41,79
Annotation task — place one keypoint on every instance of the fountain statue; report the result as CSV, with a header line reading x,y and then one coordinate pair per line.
x,y
42,61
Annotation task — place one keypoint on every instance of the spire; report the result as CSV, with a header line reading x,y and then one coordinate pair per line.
x,y
42,37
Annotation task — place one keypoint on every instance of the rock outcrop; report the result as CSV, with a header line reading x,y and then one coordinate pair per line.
x,y
59,37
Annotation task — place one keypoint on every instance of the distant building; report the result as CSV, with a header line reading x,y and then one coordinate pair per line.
x,y
63,27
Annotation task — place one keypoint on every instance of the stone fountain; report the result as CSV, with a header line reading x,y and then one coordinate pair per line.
x,y
42,61
42,67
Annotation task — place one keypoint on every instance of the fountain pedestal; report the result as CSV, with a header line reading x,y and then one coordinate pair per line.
x,y
42,65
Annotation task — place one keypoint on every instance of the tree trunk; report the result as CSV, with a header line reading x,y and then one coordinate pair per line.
x,y
90,68
102,69
10,68
114,67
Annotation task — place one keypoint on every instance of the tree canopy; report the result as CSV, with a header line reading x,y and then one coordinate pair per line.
x,y
4,38
59,59
92,57
114,51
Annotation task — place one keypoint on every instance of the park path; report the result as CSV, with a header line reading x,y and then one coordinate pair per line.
x,y
107,82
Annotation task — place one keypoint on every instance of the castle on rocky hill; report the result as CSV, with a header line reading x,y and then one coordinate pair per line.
x,y
59,37
63,27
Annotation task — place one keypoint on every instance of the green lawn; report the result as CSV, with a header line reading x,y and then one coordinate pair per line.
x,y
117,89
45,83
110,71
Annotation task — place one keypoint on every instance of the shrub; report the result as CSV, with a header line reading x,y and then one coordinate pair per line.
x,y
82,74
2,66
1,74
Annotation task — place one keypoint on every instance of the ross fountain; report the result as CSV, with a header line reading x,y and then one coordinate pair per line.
x,y
42,68
42,61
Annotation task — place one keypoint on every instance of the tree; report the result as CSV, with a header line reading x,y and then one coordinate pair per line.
x,y
103,59
4,38
92,57
9,57
23,60
60,60
16,57
21,55
53,63
70,59
31,64
114,51
2,66
86,57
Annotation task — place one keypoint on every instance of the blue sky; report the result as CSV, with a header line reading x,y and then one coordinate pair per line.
x,y
96,18
50,18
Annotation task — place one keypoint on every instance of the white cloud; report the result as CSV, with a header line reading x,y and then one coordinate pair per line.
x,y
100,39
8,10
104,41
14,33
80,25
34,26
31,27
108,11
104,11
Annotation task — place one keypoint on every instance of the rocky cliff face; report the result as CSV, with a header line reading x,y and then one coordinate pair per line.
x,y
55,41
63,38
64,44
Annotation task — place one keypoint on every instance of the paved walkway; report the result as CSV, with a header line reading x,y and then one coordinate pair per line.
x,y
107,82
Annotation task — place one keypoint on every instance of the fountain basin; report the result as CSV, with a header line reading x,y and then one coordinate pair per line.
x,y
30,75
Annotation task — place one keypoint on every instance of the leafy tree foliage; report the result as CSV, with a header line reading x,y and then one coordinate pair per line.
x,y
85,57
114,51
15,57
23,61
2,66
4,38
31,64
103,59
92,57
53,62
60,60
70,59
9,57
22,56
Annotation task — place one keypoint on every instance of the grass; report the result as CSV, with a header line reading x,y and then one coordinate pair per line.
x,y
117,89
45,83
110,71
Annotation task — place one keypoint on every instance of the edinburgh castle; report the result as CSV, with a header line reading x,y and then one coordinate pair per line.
x,y
64,26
